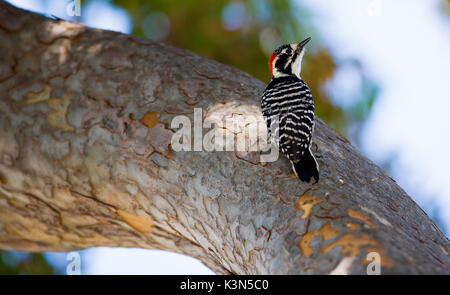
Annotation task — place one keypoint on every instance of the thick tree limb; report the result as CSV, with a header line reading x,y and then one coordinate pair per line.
x,y
85,160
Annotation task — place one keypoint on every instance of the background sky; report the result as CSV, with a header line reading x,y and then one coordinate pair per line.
x,y
403,44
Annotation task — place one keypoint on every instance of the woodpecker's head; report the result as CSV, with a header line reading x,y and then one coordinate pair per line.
x,y
287,59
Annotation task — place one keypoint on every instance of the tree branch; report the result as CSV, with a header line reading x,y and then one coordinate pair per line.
x,y
85,160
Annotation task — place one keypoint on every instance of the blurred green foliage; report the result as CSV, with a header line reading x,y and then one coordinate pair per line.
x,y
12,262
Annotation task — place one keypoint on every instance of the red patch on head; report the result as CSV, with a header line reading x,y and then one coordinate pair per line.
x,y
271,58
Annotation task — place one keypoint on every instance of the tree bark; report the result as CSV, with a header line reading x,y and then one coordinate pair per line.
x,y
86,160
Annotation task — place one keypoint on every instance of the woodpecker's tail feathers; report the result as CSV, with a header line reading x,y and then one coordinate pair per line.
x,y
307,167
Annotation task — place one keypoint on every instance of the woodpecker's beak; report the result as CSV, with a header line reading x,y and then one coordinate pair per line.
x,y
302,44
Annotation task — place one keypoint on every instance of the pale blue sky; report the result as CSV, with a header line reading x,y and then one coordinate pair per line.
x,y
403,44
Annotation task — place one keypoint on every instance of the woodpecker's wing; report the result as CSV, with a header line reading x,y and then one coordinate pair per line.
x,y
276,92
289,100
295,135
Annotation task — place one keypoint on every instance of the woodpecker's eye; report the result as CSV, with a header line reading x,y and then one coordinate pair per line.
x,y
284,50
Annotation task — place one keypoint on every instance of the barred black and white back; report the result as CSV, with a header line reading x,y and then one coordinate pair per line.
x,y
288,108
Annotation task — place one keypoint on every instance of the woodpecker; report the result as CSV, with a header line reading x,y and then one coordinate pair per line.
x,y
288,108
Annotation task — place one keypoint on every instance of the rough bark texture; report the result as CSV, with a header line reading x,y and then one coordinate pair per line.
x,y
85,160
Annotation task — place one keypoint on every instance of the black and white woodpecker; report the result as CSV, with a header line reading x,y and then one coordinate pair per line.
x,y
288,108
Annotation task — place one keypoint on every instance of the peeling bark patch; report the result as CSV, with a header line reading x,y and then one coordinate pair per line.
x,y
150,119
326,231
352,226
141,223
351,246
57,118
378,217
35,97
57,59
305,203
361,216
49,31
